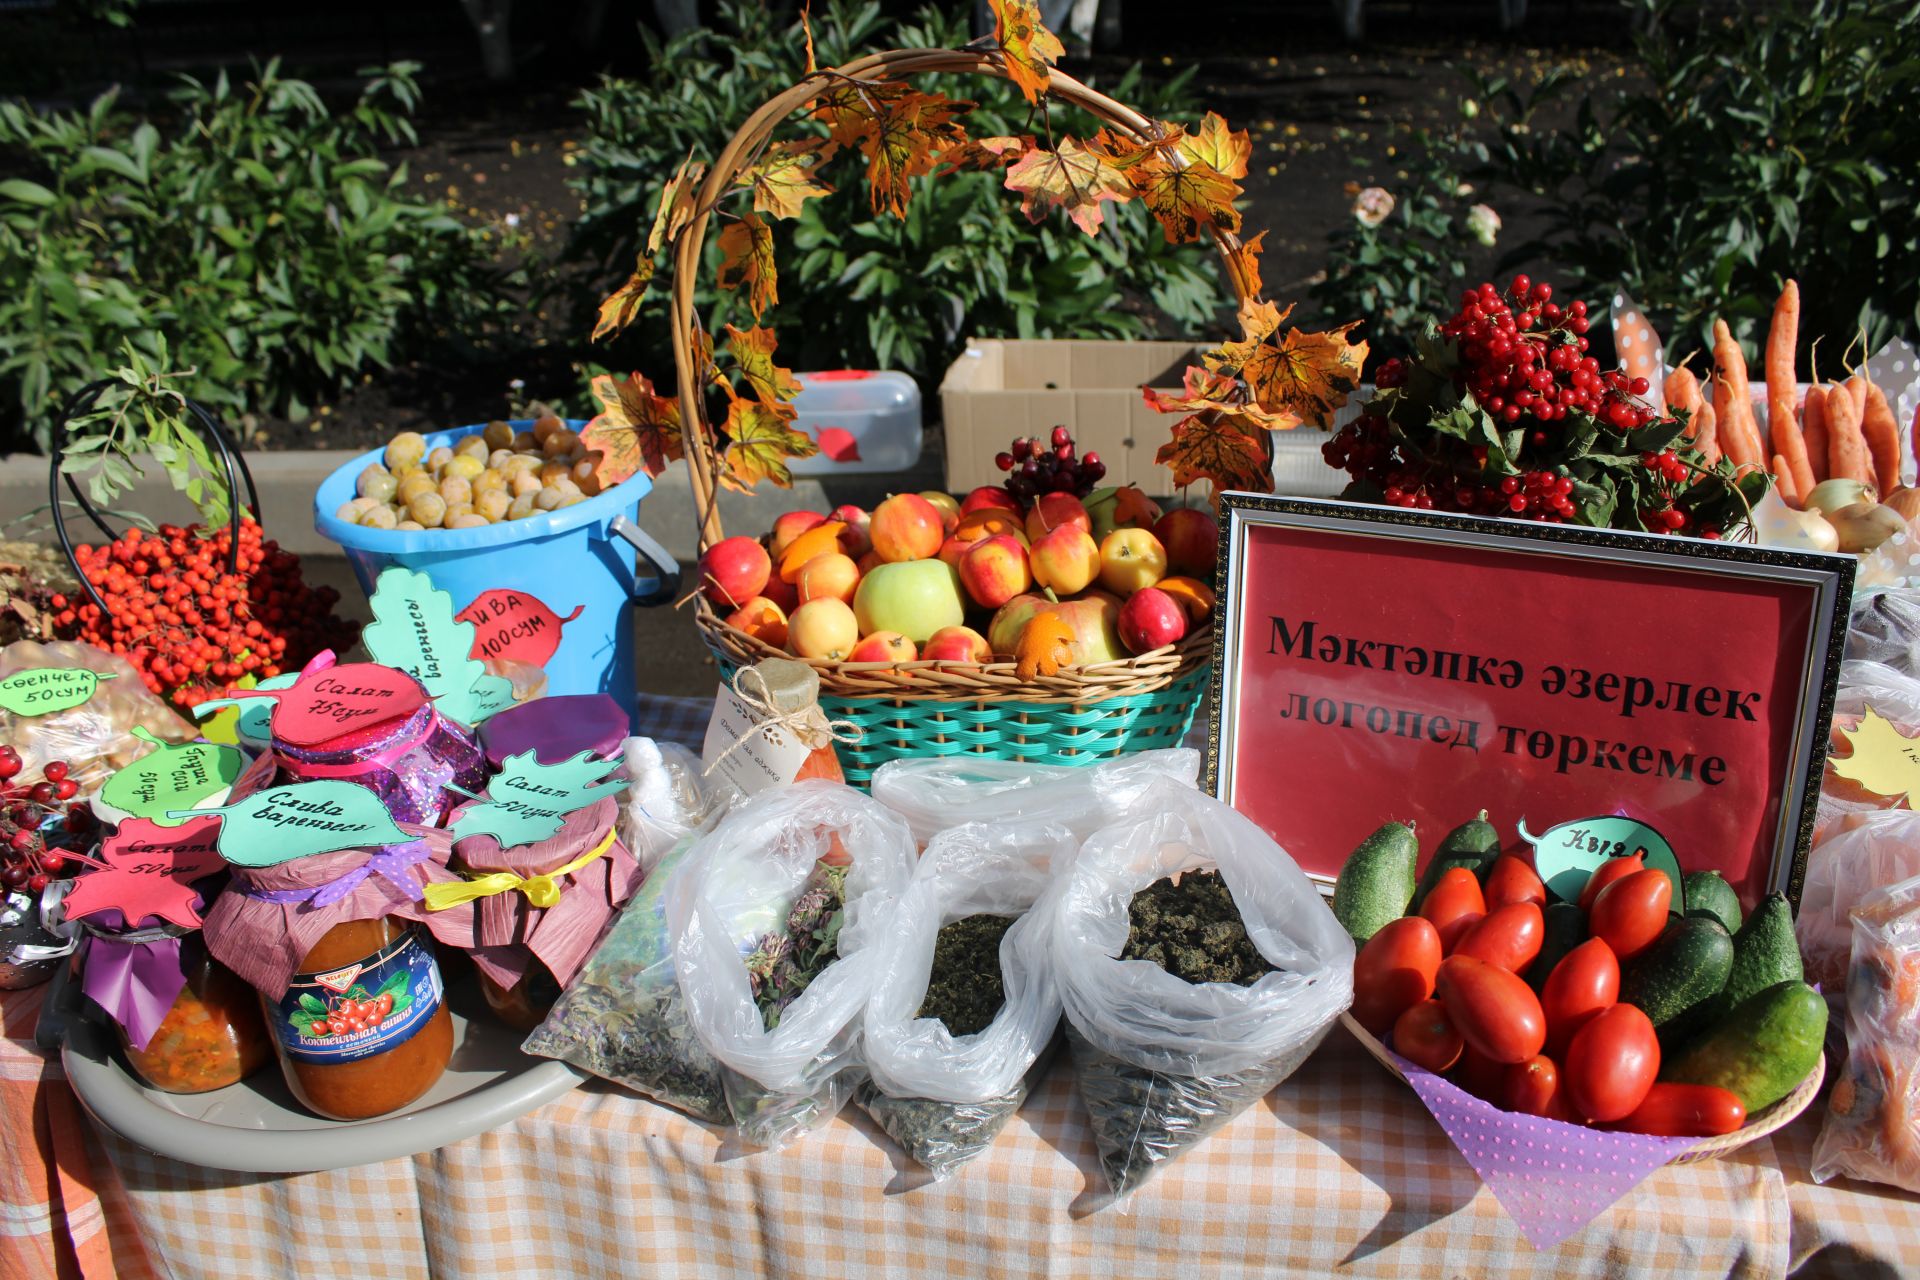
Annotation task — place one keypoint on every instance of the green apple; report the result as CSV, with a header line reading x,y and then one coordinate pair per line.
x,y
914,597
1094,618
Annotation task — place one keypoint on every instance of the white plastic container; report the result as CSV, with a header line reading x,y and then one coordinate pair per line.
x,y
870,420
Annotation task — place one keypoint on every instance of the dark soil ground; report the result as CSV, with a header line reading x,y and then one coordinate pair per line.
x,y
1323,116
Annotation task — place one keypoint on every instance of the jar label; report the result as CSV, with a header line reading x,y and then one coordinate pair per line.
x,y
361,1009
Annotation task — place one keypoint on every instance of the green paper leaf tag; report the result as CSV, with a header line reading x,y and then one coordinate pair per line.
x,y
415,630
41,691
172,778
1566,855
283,823
529,801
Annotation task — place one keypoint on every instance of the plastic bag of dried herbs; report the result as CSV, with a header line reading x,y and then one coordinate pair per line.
x,y
1163,1061
963,1003
941,792
767,921
623,1019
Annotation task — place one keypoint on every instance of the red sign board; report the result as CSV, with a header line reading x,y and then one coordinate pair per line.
x,y
1374,665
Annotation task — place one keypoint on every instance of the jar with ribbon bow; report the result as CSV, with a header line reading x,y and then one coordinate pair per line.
x,y
340,948
539,908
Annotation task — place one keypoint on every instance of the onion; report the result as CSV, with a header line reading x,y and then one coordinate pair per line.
x,y
1838,494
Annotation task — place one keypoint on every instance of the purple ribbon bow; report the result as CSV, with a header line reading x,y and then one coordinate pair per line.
x,y
394,863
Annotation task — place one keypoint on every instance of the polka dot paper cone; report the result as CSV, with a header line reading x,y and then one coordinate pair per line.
x,y
1897,369
1551,1178
1640,350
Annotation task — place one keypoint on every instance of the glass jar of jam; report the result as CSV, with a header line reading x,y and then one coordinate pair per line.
x,y
212,1035
526,1004
363,1028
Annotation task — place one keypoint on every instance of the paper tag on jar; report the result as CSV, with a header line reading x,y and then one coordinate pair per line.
x,y
767,756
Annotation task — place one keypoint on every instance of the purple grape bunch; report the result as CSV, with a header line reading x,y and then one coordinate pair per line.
x,y
1033,469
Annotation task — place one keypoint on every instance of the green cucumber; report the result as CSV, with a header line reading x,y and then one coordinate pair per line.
x,y
1566,928
1474,844
1765,954
1708,895
1761,1050
1675,981
1376,881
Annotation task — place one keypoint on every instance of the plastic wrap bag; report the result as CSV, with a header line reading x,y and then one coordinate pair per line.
x,y
935,794
738,886
1869,850
95,738
945,1097
622,1017
666,798
1885,628
1162,1062
1896,698
1872,1126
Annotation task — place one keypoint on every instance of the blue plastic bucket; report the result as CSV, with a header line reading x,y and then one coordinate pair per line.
x,y
557,588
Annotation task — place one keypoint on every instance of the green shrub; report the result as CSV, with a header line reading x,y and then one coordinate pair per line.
x,y
261,234
858,289
1773,144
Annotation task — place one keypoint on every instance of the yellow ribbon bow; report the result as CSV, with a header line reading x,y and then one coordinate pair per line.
x,y
542,890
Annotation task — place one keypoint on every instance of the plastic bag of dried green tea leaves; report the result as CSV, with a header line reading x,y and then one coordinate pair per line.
x,y
940,792
622,1018
963,1003
1164,1060
768,921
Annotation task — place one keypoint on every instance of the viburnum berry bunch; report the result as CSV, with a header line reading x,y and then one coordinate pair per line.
x,y
1502,412
1033,469
27,812
188,626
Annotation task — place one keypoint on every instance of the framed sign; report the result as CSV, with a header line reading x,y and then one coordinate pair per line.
x,y
1372,664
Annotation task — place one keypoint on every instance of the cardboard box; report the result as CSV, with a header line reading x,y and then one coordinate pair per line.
x,y
1000,388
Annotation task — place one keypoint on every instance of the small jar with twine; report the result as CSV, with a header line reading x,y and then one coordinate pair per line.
x,y
782,697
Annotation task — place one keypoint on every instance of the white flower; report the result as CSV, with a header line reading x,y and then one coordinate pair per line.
x,y
1483,223
1464,190
1373,206
513,219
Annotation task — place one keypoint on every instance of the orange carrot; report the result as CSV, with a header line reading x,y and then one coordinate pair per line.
x,y
1857,388
1916,431
1733,400
1781,338
1683,392
1784,481
1847,457
1707,437
1883,439
1813,426
1788,444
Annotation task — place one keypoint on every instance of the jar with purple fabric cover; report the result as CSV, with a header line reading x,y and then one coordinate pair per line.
x,y
418,764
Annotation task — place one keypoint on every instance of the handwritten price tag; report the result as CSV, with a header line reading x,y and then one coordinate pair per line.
x,y
529,801
415,630
283,823
172,778
150,870
1882,761
1566,855
41,691
328,703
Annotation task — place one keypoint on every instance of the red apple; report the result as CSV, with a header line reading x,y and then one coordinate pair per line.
x,y
956,644
883,646
762,619
906,527
1191,538
946,504
1151,619
854,539
782,593
734,571
1131,559
988,521
790,526
955,547
994,571
1051,510
988,495
828,576
1065,560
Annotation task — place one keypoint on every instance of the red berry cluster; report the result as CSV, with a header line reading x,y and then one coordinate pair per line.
x,y
1522,355
186,624
1034,470
27,861
348,1016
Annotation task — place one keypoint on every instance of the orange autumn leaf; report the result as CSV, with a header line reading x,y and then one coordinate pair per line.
x,y
746,249
984,153
1124,151
1243,266
1304,377
623,304
1186,199
752,350
1219,147
1045,646
760,442
635,430
1204,389
1026,44
1211,446
783,178
676,204
906,140
848,109
1072,178
1131,505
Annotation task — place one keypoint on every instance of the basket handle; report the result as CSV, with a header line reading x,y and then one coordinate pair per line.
x,y
703,466
77,406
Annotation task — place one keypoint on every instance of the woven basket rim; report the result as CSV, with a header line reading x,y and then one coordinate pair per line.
x,y
1777,1116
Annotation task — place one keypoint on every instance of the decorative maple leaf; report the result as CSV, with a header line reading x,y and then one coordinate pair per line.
x,y
1883,761
1045,646
1243,266
905,140
1303,376
1213,389
1185,199
675,213
148,870
1131,506
1027,46
746,249
1213,447
1072,178
849,109
1124,151
635,428
760,441
1220,148
984,153
620,307
752,350
784,177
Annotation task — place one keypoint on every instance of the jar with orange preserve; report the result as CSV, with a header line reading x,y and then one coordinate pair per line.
x,y
340,947
770,731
